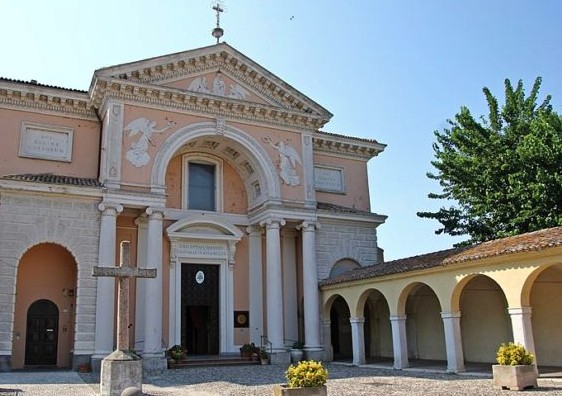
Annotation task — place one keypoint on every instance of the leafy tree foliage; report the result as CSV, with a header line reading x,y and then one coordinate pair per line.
x,y
504,172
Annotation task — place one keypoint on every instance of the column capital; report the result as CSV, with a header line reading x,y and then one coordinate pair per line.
x,y
308,226
272,223
155,213
110,208
354,319
450,315
397,318
254,230
520,311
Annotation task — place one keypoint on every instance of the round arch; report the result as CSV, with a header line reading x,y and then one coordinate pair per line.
x,y
258,159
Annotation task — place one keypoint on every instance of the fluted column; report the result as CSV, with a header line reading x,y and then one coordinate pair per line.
x,y
255,288
522,327
105,297
399,341
310,290
358,340
153,289
274,284
453,341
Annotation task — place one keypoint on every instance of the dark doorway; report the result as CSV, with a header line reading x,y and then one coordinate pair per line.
x,y
200,309
42,334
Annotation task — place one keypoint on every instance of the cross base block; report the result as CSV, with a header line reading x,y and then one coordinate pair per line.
x,y
119,371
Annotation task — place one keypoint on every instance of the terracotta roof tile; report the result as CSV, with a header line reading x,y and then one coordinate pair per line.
x,y
532,241
35,83
49,178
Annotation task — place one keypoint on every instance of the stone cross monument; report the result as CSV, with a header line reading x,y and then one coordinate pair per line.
x,y
122,369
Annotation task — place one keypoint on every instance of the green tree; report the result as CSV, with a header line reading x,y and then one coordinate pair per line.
x,y
503,172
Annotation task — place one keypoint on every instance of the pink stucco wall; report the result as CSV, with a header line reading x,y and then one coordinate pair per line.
x,y
85,150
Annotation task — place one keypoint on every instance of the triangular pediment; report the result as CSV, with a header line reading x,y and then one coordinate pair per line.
x,y
218,71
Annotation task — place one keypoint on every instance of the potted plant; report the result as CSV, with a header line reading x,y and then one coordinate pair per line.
x,y
515,369
249,350
264,356
176,353
306,378
296,351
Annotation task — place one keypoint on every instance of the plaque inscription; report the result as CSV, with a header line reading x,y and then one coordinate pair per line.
x,y
46,142
328,179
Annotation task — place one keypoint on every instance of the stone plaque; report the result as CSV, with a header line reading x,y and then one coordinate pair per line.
x,y
200,277
328,179
46,142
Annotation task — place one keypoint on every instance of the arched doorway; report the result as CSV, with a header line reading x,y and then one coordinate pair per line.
x,y
42,334
45,307
340,329
485,322
377,330
546,317
424,326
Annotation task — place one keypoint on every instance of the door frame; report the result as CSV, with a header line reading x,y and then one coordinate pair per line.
x,y
226,303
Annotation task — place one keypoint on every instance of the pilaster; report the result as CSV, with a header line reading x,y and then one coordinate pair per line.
x,y
255,283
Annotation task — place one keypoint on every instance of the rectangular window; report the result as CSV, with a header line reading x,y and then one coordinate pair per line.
x,y
201,187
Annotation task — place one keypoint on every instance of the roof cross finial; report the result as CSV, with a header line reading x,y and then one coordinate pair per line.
x,y
217,31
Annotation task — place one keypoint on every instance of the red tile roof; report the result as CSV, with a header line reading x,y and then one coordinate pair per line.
x,y
532,241
49,178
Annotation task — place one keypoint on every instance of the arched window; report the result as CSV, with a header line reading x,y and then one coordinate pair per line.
x,y
342,266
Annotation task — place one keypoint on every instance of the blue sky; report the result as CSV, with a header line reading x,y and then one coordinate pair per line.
x,y
392,70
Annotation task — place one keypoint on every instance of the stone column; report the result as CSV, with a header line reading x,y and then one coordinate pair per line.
x,y
522,327
313,348
274,290
255,287
358,340
153,356
141,283
290,301
453,341
105,297
327,340
399,341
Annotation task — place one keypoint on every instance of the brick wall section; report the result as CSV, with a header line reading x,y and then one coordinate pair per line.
x,y
336,240
27,220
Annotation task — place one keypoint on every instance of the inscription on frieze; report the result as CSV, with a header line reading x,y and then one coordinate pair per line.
x,y
200,250
46,142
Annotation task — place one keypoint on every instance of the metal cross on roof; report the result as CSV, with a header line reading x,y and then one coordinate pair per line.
x,y
218,31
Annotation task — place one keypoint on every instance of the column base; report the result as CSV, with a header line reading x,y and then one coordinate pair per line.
x,y
280,358
5,363
120,371
317,354
154,363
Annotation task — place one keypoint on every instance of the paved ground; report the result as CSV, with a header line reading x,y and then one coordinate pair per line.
x,y
260,380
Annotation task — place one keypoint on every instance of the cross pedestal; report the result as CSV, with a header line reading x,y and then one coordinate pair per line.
x,y
122,369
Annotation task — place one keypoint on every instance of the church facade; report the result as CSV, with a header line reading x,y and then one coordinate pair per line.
x,y
219,175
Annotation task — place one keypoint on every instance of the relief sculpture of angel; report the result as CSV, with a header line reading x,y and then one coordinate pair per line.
x,y
138,152
288,160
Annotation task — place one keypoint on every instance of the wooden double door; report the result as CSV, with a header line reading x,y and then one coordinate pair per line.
x,y
200,309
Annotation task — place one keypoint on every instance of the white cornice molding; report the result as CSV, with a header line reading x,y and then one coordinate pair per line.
x,y
215,57
372,218
17,95
182,100
44,188
344,146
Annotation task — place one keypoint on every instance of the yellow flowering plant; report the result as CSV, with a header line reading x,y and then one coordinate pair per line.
x,y
306,374
512,354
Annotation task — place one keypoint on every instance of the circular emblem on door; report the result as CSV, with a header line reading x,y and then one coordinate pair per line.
x,y
200,277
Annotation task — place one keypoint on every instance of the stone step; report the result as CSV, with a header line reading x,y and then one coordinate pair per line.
x,y
212,361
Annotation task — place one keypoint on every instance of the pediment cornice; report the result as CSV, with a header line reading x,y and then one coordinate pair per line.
x,y
18,94
157,71
183,100
346,146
